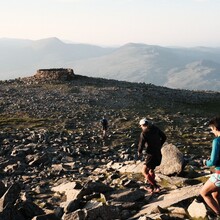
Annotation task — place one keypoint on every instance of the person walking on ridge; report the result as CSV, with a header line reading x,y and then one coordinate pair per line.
x,y
211,189
104,123
152,139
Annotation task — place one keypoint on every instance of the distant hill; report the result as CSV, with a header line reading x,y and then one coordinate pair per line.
x,y
193,68
185,68
20,58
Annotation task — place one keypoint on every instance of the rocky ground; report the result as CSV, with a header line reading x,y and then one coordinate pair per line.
x,y
55,164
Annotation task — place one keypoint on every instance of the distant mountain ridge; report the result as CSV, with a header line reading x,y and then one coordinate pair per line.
x,y
23,57
185,68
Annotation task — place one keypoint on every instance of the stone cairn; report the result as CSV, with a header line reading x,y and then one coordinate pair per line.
x,y
55,74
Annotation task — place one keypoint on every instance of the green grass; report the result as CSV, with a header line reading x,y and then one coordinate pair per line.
x,y
208,108
211,107
24,122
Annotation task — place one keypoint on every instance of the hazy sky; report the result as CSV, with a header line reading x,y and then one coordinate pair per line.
x,y
114,22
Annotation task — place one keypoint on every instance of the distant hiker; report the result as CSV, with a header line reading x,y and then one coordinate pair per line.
x,y
211,189
104,123
152,139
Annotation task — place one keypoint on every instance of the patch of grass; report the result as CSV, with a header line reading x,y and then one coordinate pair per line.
x,y
192,181
23,122
208,108
75,90
202,179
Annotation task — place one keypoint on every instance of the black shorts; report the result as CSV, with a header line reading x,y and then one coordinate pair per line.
x,y
152,161
104,128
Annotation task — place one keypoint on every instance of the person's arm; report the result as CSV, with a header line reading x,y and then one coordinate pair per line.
x,y
214,154
162,136
141,144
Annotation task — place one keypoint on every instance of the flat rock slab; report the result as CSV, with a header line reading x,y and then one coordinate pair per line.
x,y
133,167
172,197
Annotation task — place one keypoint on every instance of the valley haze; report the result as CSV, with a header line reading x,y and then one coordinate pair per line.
x,y
195,68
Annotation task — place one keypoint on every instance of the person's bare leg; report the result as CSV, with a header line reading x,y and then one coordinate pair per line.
x,y
146,173
104,134
152,176
216,196
208,190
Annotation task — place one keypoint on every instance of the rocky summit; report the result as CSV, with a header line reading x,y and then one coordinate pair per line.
x,y
56,165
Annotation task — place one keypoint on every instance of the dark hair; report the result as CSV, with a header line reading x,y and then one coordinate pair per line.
x,y
215,122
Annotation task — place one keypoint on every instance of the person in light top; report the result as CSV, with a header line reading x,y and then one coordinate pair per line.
x,y
151,139
211,189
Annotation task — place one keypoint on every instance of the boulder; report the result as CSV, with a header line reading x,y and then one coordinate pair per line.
x,y
128,195
98,212
49,216
69,189
29,209
103,212
10,197
130,167
77,215
172,160
197,209
97,186
2,188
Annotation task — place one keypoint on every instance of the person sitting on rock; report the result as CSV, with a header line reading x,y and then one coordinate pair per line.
x,y
211,189
152,139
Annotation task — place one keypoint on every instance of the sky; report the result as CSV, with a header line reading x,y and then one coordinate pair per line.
x,y
184,23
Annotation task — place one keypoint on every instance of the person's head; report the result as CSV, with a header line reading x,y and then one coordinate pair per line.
x,y
144,124
214,124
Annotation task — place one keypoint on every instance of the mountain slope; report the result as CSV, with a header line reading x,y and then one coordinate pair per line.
x,y
201,74
51,137
132,62
157,65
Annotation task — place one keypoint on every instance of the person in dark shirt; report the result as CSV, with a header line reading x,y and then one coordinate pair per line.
x,y
152,140
104,123
211,189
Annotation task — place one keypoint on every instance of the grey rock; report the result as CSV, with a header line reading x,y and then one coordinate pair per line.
x,y
2,188
10,197
103,212
128,195
77,215
40,159
197,210
172,160
12,214
30,209
50,216
91,187
72,206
